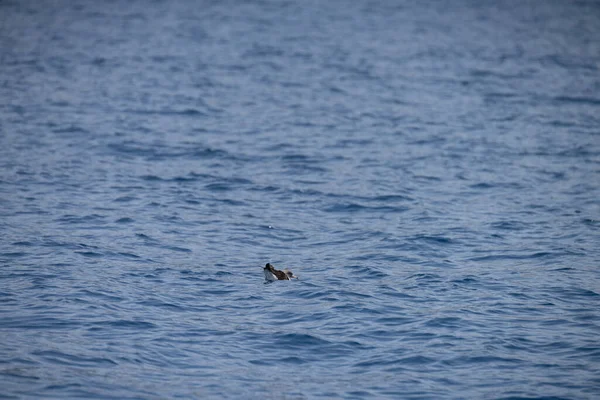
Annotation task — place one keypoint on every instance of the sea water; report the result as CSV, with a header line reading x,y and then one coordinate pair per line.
x,y
430,170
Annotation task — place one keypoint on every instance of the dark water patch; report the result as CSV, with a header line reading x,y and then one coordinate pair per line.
x,y
16,254
122,324
432,238
145,237
578,100
20,373
591,222
572,292
129,255
467,281
90,254
345,143
500,257
398,294
296,158
125,199
188,112
38,322
392,198
151,178
125,220
34,212
73,129
268,188
214,183
210,153
220,187
356,208
175,248
496,185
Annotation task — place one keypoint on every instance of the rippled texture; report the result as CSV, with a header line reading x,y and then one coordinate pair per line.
x,y
429,169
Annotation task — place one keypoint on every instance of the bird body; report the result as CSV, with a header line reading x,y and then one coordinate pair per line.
x,y
272,274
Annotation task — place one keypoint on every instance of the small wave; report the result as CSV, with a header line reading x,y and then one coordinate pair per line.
x,y
392,198
125,199
161,304
578,100
121,324
176,248
354,207
509,225
188,112
299,340
90,254
59,357
129,255
37,322
366,272
161,151
73,129
445,322
15,254
77,219
425,277
24,243
432,238
496,257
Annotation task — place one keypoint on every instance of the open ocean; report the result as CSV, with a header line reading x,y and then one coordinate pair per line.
x,y
429,169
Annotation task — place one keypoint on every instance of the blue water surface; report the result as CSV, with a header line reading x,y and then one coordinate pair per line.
x,y
429,169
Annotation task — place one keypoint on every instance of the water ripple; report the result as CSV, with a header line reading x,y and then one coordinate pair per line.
x,y
429,172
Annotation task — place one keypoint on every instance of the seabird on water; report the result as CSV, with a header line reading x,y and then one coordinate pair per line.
x,y
272,274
